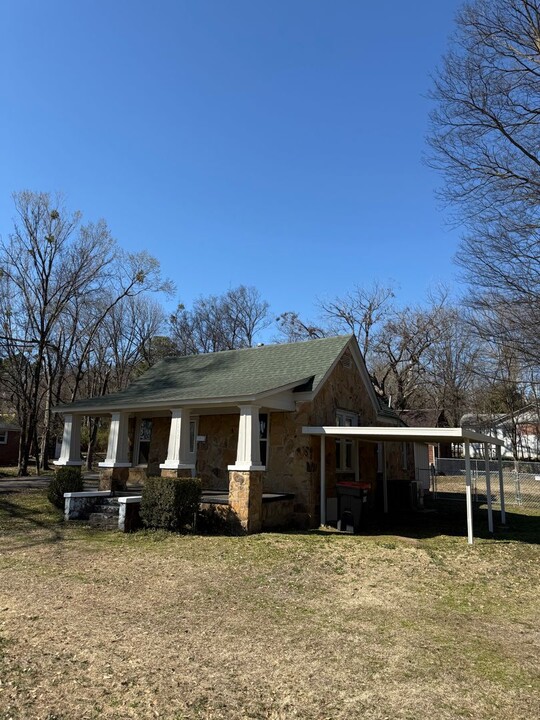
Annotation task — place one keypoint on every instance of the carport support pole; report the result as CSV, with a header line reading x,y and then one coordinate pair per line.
x,y
488,488
323,480
468,496
501,484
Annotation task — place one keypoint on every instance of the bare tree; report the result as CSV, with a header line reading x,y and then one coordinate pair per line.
x,y
224,322
55,276
293,329
484,135
360,312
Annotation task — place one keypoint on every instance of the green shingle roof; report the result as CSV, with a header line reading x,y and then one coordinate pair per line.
x,y
229,374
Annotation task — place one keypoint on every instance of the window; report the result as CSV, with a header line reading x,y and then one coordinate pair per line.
x,y
3,437
344,446
263,437
145,435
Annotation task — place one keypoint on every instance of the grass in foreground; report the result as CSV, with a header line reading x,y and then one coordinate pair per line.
x,y
306,625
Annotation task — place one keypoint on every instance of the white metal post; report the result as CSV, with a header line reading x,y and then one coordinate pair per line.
x,y
323,480
488,488
501,484
468,497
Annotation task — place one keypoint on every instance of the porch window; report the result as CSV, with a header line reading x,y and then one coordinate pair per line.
x,y
145,435
344,446
263,437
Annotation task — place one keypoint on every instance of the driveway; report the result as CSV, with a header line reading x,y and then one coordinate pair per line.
x,y
17,484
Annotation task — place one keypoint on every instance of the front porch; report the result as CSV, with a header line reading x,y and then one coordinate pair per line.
x,y
229,457
119,510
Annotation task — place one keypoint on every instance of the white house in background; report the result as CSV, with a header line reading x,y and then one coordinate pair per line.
x,y
520,432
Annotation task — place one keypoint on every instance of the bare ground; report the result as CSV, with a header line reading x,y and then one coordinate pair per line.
x,y
315,625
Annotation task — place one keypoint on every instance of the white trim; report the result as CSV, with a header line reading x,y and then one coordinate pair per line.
x,y
246,467
89,493
402,434
132,499
3,440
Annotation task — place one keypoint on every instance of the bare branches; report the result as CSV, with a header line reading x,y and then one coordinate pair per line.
x,y
485,131
225,322
60,281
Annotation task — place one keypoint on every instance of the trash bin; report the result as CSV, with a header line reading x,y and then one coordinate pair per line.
x,y
351,496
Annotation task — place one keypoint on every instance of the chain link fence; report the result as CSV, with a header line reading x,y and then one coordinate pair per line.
x,y
521,481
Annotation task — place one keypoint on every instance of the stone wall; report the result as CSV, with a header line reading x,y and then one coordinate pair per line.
x,y
293,461
159,444
218,449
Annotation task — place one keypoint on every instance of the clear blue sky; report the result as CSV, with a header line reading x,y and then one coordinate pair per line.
x,y
276,144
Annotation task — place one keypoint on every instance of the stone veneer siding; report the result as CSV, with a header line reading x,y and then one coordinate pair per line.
x,y
294,459
218,450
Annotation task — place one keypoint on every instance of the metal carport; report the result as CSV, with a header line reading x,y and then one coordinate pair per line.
x,y
428,436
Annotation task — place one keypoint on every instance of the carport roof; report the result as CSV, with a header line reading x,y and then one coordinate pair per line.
x,y
404,434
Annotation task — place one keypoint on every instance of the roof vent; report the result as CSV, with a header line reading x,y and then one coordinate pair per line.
x,y
346,361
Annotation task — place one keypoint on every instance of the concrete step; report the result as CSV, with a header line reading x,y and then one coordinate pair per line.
x,y
106,509
105,521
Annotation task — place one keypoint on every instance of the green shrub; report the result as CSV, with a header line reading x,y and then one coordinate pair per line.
x,y
170,503
66,479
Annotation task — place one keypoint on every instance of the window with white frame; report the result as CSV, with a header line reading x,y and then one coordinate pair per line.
x,y
144,438
3,437
263,437
344,446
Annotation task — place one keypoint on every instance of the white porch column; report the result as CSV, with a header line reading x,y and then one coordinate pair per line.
x,y
468,496
71,441
178,455
501,484
488,488
323,480
117,450
248,454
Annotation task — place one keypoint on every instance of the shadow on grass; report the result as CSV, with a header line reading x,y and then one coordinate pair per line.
x,y
16,520
448,517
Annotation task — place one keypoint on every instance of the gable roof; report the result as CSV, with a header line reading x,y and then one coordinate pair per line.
x,y
220,376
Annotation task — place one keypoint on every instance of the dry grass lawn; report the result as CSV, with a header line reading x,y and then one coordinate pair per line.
x,y
314,625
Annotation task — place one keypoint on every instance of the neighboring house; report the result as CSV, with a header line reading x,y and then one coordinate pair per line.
x,y
520,432
235,420
10,435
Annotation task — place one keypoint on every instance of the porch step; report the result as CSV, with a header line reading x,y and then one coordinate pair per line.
x,y
105,514
103,521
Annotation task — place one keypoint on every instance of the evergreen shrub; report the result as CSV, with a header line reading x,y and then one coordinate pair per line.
x,y
170,503
66,479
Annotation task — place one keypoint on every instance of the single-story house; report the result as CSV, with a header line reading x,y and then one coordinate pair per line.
x,y
519,431
295,424
10,435
242,421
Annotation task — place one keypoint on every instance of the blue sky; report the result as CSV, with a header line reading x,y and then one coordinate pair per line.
x,y
276,144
